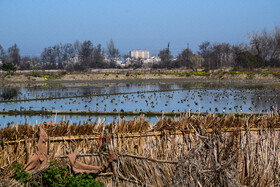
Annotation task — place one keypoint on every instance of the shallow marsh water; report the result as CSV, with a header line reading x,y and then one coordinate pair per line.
x,y
155,97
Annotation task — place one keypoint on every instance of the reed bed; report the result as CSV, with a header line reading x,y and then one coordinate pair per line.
x,y
189,150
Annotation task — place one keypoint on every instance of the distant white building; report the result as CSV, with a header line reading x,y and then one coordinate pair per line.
x,y
128,60
153,59
118,62
143,54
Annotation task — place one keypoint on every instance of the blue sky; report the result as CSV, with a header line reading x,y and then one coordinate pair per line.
x,y
145,24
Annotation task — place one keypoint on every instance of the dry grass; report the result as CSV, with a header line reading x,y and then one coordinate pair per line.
x,y
182,151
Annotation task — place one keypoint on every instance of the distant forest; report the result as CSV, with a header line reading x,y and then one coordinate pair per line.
x,y
263,51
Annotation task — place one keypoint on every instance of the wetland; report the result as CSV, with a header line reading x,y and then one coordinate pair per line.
x,y
79,101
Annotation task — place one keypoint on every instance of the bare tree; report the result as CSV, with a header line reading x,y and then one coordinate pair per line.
x,y
35,62
68,51
13,54
98,57
113,53
196,62
205,51
77,47
165,57
266,45
25,63
3,56
222,55
184,58
85,52
48,57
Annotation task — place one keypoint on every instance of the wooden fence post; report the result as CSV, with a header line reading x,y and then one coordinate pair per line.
x,y
8,154
114,165
48,147
26,150
3,148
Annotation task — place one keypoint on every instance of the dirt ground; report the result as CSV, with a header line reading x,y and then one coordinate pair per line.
x,y
137,77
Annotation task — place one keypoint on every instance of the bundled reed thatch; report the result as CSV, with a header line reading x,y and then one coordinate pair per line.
x,y
141,125
189,150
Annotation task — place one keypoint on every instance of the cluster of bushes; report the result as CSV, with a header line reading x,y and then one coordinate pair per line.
x,y
199,73
48,77
55,175
8,67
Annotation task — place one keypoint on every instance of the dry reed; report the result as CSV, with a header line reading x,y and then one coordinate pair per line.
x,y
184,151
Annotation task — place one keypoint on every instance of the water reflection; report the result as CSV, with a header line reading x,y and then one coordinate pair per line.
x,y
9,93
160,96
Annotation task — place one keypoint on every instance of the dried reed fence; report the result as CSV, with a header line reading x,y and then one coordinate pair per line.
x,y
185,151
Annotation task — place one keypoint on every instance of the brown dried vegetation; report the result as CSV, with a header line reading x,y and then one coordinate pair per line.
x,y
185,151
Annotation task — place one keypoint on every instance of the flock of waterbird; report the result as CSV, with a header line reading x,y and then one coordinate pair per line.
x,y
219,100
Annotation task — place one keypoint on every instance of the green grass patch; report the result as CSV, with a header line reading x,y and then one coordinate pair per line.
x,y
266,72
53,77
201,73
240,72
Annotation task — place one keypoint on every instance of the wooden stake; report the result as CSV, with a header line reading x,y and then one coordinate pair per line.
x,y
26,149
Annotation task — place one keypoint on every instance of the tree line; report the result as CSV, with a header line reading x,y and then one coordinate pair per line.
x,y
262,51
62,56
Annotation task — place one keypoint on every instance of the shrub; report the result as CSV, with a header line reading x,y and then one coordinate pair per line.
x,y
201,73
55,175
9,67
20,174
82,179
35,74
180,74
52,77
247,60
266,72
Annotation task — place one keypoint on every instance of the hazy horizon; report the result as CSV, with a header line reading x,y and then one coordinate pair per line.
x,y
35,25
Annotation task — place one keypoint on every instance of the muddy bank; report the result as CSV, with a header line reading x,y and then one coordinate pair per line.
x,y
167,77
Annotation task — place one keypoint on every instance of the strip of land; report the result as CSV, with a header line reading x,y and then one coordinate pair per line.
x,y
140,75
113,113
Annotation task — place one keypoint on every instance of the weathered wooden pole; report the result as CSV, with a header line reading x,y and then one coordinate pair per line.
x,y
26,150
3,148
8,154
114,165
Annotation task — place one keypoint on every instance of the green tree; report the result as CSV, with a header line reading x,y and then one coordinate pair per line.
x,y
248,60
9,67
